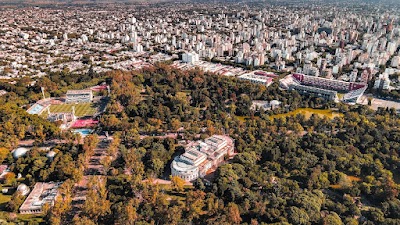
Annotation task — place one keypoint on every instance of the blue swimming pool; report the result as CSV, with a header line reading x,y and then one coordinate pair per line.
x,y
35,109
83,132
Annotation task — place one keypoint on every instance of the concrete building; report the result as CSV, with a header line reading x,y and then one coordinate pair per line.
x,y
382,82
42,193
258,78
190,57
395,61
201,156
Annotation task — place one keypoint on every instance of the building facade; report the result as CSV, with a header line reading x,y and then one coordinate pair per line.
x,y
201,156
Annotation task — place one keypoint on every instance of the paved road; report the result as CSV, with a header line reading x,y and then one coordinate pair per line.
x,y
167,182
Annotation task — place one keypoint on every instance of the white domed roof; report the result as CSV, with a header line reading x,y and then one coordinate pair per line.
x,y
19,152
23,189
51,154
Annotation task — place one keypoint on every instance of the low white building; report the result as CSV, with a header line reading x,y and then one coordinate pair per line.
x,y
42,193
258,77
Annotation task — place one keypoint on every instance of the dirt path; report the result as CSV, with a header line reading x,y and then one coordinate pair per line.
x,y
165,182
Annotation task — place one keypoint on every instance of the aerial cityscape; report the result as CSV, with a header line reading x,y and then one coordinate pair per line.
x,y
200,112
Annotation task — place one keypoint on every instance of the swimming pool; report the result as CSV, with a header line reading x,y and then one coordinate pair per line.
x,y
35,109
83,132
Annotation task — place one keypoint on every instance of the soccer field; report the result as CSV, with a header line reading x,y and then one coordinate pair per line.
x,y
81,109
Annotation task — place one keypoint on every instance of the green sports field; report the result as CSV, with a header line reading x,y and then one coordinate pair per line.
x,y
81,109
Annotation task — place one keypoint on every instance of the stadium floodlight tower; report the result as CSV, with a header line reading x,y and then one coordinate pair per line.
x,y
42,88
73,112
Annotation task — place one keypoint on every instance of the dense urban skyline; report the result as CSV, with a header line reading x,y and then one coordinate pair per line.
x,y
200,112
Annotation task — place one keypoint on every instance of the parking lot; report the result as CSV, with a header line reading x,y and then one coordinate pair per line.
x,y
377,102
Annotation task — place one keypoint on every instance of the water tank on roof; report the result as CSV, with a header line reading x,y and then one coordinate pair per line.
x,y
19,152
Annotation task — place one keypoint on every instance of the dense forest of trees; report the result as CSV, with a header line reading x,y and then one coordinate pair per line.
x,y
16,124
163,98
25,90
288,170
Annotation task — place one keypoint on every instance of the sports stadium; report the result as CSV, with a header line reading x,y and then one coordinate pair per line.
x,y
324,88
78,109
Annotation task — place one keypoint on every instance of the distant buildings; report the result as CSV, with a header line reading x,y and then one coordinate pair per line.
x,y
74,96
306,42
217,68
42,193
382,82
190,57
201,156
3,171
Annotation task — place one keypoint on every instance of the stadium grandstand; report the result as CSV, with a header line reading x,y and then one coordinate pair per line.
x,y
323,87
317,92
74,96
354,96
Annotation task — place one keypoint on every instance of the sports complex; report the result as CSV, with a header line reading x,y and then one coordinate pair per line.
x,y
78,109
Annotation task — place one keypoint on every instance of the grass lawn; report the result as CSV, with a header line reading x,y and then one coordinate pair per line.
x,y
3,200
25,218
81,109
244,118
350,179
